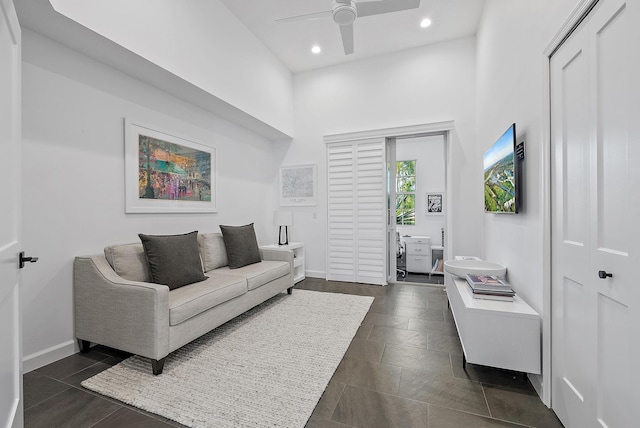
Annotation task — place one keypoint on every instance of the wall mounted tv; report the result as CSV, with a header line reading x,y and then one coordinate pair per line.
x,y
501,175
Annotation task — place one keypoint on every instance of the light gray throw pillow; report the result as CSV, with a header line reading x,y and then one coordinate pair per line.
x,y
212,251
128,261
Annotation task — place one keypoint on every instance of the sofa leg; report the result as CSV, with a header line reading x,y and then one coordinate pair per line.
x,y
289,290
84,345
157,366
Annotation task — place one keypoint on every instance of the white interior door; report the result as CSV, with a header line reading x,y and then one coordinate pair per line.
x,y
595,317
572,300
10,331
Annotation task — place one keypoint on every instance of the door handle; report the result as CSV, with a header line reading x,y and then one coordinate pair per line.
x,y
24,259
604,275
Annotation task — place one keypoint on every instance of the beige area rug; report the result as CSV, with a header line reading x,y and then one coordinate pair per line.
x,y
266,368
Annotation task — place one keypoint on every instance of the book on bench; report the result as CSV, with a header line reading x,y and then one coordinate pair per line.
x,y
489,287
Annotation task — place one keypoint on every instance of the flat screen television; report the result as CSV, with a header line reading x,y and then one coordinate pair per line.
x,y
501,187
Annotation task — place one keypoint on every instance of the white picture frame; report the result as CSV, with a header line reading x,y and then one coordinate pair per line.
x,y
435,203
298,185
165,173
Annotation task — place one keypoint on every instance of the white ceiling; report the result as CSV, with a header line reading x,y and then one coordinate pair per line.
x,y
373,35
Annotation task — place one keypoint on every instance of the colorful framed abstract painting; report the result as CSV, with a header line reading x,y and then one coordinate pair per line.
x,y
167,174
298,185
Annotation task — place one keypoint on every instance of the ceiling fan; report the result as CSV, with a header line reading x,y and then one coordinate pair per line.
x,y
345,12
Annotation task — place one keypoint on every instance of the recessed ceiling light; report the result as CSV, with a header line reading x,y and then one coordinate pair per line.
x,y
425,23
316,49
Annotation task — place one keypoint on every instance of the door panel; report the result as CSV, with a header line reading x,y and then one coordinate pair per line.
x,y
10,332
613,363
575,329
575,145
340,245
371,219
392,241
571,231
612,107
613,230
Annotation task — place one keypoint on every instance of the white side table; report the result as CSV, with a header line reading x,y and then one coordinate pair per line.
x,y
298,258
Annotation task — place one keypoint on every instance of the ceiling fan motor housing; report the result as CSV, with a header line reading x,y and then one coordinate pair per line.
x,y
344,12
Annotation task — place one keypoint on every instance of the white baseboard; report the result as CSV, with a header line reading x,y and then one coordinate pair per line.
x,y
48,356
315,274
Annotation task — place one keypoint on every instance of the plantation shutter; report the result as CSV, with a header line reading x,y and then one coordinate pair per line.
x,y
356,226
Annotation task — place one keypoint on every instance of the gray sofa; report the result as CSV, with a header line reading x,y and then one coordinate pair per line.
x,y
117,305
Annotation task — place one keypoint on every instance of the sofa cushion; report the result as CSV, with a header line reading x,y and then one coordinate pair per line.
x,y
260,273
241,244
174,260
212,251
191,300
128,261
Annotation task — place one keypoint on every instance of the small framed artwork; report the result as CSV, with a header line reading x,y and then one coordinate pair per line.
x,y
165,173
435,203
298,185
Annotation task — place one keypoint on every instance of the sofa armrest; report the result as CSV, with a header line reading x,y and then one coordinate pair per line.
x,y
277,255
280,256
127,315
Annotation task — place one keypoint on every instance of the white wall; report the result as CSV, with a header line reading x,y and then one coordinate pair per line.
x,y
511,82
73,178
429,154
202,42
417,86
511,86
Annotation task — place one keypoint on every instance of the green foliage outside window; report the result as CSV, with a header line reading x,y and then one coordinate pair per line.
x,y
406,192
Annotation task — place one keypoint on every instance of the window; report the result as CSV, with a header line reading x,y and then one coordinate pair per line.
x,y
406,192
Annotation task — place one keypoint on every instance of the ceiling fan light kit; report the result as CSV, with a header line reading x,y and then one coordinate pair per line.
x,y
345,12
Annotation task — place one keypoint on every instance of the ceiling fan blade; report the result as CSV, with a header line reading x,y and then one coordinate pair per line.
x,y
306,17
347,38
368,8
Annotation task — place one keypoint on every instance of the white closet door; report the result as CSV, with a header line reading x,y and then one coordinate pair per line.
x,y
572,343
356,244
595,318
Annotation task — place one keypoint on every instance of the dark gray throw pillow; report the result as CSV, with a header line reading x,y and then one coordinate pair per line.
x,y
241,244
174,260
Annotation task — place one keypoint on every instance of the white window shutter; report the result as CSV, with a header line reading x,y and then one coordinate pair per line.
x,y
356,194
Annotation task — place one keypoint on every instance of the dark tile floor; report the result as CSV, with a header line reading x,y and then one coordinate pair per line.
x,y
403,369
421,278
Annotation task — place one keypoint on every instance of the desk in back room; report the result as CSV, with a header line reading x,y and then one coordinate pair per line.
x,y
418,253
